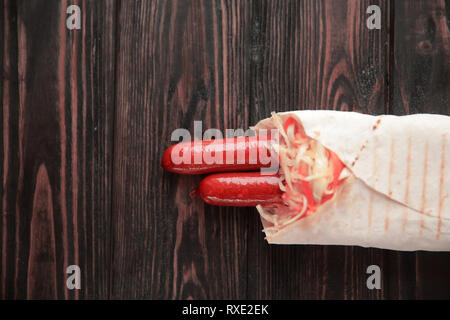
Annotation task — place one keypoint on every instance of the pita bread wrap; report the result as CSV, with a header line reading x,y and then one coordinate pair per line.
x,y
396,195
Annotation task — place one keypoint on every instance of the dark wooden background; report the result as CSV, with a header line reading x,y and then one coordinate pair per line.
x,y
86,115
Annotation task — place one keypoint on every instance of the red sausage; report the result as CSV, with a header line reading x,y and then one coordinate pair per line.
x,y
221,155
245,189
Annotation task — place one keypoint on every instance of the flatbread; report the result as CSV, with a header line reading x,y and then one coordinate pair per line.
x,y
397,197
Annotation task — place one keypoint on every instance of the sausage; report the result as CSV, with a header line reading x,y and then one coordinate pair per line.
x,y
240,189
220,155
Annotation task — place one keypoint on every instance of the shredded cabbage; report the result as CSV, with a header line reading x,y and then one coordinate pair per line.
x,y
302,160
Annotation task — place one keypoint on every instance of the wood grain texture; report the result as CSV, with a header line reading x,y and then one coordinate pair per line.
x,y
56,148
315,54
422,57
421,84
87,114
178,61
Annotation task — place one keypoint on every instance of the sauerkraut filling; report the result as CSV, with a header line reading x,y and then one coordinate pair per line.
x,y
309,175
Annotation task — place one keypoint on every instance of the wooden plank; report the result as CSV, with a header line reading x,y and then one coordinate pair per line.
x,y
315,54
422,52
178,61
57,103
421,85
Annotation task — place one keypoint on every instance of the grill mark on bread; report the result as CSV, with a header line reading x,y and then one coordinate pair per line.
x,y
424,187
364,145
374,172
441,187
408,181
391,170
374,127
360,150
377,124
354,161
375,161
